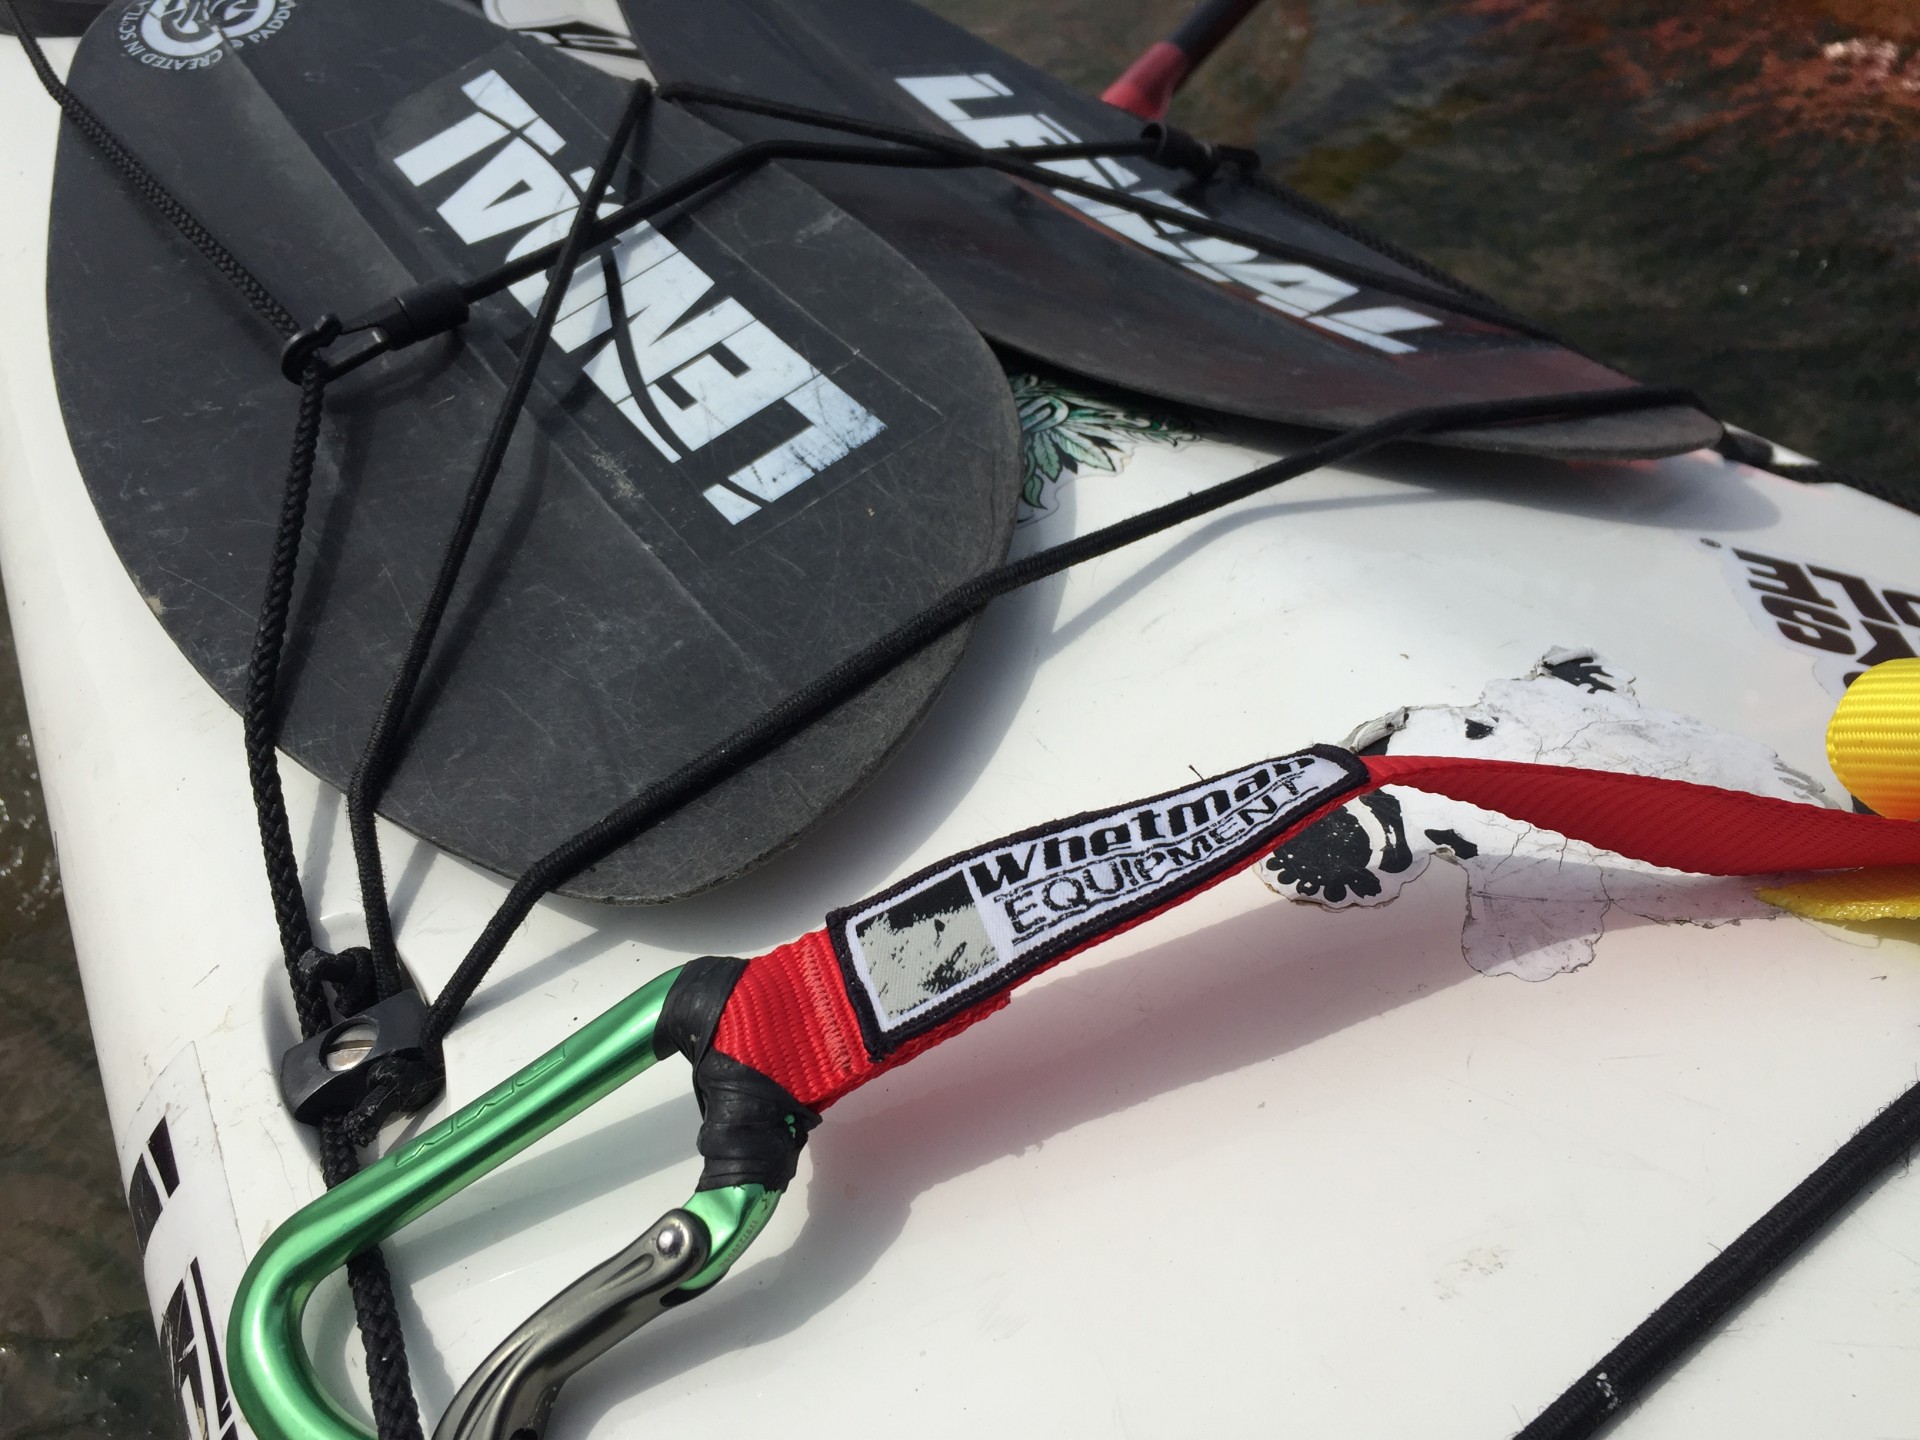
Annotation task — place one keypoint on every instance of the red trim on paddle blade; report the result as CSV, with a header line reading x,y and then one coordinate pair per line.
x,y
1146,88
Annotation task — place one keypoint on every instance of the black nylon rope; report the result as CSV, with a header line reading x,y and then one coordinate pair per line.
x,y
751,156
396,1414
1625,1372
1020,163
259,717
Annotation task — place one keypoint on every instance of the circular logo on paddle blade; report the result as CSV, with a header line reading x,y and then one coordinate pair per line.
x,y
193,34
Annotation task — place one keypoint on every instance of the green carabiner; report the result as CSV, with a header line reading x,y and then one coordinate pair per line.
x,y
687,1251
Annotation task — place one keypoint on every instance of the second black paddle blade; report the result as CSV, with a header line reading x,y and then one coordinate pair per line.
x,y
785,444
1086,286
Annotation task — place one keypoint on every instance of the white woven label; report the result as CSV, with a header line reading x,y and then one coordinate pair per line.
x,y
981,921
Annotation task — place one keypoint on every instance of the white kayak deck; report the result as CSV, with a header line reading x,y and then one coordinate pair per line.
x,y
1256,1167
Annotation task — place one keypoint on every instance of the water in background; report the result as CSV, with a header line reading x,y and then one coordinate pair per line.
x,y
1721,195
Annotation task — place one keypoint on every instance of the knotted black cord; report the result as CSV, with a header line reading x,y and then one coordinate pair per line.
x,y
259,713
376,1314
389,1379
1624,1374
381,754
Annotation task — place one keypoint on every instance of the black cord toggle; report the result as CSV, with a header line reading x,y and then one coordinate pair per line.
x,y
408,318
1178,150
362,1068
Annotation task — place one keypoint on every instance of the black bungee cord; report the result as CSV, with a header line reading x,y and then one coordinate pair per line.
x,y
1592,1403
1663,1339
380,756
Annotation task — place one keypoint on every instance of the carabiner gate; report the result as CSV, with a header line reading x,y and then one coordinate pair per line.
x,y
682,1255
512,1391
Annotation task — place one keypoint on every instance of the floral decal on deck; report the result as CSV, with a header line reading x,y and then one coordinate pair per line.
x,y
1065,431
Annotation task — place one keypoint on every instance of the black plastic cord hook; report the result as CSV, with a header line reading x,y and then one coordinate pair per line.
x,y
429,309
304,346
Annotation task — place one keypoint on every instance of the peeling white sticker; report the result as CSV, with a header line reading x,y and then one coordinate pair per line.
x,y
1537,902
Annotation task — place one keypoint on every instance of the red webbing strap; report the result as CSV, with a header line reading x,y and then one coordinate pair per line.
x,y
790,1017
1663,822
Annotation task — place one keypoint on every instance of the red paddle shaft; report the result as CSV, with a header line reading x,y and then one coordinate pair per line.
x,y
1148,85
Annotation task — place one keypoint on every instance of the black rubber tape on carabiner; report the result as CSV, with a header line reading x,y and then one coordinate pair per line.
x,y
751,1129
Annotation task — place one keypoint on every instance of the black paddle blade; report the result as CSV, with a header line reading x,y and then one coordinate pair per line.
x,y
791,444
1130,301
50,17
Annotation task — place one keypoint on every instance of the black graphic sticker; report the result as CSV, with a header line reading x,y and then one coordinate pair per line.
x,y
189,1243
1343,858
980,922
1846,620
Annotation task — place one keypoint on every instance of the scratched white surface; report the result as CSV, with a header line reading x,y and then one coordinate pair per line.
x,y
1253,1167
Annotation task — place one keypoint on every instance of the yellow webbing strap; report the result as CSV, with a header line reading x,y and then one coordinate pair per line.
x,y
1873,744
1892,893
